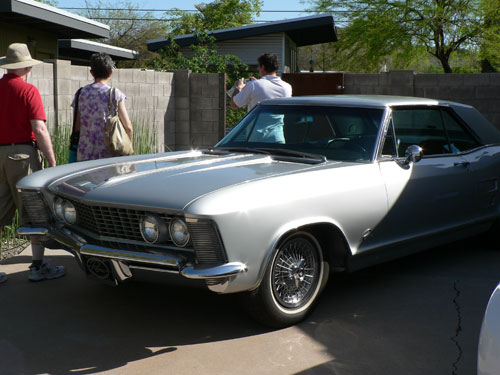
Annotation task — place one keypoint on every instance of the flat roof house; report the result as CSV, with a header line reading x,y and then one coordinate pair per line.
x,y
40,26
250,41
52,33
80,50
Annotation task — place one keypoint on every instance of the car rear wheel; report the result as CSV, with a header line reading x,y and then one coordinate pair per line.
x,y
292,283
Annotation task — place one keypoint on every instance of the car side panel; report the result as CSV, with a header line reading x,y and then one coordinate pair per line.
x,y
253,217
424,199
484,169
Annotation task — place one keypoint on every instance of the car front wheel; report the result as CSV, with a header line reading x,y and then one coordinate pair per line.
x,y
292,282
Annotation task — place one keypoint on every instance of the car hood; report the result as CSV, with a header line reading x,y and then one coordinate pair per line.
x,y
171,181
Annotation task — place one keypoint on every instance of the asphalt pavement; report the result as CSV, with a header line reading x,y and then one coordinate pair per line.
x,y
417,315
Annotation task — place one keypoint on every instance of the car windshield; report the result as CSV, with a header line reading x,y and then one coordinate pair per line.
x,y
337,133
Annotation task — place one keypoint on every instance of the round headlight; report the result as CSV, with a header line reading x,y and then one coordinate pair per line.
x,y
69,212
179,232
58,208
153,228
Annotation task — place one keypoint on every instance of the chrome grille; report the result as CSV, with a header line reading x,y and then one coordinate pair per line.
x,y
207,242
35,207
110,221
125,224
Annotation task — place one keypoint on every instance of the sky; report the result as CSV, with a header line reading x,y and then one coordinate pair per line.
x,y
291,5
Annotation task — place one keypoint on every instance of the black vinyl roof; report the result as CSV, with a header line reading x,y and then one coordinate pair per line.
x,y
81,50
64,24
303,31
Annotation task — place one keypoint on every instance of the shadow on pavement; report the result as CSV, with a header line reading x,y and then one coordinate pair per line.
x,y
77,326
418,315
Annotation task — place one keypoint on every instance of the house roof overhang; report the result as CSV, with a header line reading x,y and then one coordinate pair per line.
x,y
81,50
303,31
63,24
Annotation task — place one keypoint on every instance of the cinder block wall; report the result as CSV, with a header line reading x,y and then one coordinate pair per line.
x,y
185,110
149,94
479,90
199,110
207,108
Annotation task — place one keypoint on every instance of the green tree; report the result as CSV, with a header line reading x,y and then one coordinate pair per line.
x,y
490,43
219,14
381,30
129,28
336,57
204,58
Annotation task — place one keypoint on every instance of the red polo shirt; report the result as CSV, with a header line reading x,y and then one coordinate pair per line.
x,y
20,102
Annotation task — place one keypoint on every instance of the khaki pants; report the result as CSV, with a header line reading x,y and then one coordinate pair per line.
x,y
16,162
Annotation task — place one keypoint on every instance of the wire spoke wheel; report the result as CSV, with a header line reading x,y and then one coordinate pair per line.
x,y
295,273
292,282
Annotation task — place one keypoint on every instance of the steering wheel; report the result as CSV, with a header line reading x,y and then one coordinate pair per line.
x,y
333,140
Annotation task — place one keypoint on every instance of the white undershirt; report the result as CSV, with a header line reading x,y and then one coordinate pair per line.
x,y
267,87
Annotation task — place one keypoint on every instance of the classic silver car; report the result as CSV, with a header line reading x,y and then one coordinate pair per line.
x,y
300,188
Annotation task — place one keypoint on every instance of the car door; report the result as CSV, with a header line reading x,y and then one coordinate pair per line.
x,y
483,165
426,197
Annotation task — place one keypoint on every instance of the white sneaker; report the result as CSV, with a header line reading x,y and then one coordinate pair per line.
x,y
46,272
3,277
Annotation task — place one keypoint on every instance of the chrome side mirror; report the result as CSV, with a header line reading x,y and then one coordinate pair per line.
x,y
413,154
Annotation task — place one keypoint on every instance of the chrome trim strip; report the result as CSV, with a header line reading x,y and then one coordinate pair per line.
x,y
27,231
178,264
130,256
152,269
224,270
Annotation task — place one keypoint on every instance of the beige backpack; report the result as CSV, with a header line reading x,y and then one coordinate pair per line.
x,y
116,139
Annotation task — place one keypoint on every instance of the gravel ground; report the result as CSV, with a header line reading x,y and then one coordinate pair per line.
x,y
12,249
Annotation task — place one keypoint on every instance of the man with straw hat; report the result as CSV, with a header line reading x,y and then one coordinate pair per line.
x,y
22,131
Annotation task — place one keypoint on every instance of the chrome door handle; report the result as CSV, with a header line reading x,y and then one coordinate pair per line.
x,y
461,164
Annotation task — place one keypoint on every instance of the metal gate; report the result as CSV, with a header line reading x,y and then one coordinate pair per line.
x,y
315,83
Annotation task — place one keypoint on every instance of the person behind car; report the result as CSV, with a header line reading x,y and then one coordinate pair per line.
x,y
22,123
269,86
93,109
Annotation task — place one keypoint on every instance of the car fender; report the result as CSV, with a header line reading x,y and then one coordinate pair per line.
x,y
286,229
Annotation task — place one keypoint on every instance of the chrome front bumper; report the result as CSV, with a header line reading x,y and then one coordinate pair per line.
x,y
122,260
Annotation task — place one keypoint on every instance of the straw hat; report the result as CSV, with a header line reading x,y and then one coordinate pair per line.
x,y
18,56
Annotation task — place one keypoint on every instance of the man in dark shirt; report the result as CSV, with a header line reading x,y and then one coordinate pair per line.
x,y
22,123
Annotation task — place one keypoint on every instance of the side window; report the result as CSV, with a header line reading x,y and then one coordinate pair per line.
x,y
389,148
460,139
422,127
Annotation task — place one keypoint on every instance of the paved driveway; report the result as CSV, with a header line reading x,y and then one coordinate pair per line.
x,y
418,315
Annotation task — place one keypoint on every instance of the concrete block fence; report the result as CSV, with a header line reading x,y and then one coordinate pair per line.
x,y
185,110
479,90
